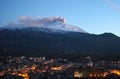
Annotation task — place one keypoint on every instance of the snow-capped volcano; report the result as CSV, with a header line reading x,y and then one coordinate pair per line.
x,y
55,24
54,37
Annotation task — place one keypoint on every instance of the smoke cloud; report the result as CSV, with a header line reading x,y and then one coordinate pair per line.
x,y
113,5
30,21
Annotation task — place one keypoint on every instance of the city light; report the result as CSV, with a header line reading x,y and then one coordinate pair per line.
x,y
41,68
78,74
117,72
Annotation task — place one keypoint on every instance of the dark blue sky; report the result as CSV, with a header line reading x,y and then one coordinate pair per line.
x,y
94,16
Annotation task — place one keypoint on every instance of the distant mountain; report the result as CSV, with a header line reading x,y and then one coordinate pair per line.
x,y
37,41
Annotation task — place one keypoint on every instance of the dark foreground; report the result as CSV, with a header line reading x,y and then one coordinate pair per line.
x,y
8,76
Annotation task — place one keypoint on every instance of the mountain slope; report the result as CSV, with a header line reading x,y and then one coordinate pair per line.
x,y
35,43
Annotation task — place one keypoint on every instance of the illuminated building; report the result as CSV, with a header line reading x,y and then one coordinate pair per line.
x,y
78,74
56,68
117,72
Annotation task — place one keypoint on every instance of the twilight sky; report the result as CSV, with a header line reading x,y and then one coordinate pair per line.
x,y
94,16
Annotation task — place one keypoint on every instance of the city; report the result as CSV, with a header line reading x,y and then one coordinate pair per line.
x,y
57,68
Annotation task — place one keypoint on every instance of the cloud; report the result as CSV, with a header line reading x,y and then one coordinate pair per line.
x,y
113,5
30,21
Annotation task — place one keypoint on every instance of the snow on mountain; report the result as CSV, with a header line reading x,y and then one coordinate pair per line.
x,y
55,24
64,27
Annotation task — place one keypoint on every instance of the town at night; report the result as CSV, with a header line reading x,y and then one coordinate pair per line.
x,y
57,68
